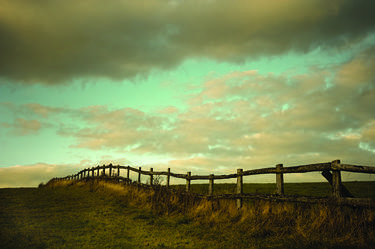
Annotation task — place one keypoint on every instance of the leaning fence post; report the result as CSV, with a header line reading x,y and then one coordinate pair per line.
x,y
139,175
188,181
239,187
280,180
168,177
211,185
151,176
336,179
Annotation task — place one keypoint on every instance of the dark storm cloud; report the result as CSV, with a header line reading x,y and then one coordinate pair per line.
x,y
51,42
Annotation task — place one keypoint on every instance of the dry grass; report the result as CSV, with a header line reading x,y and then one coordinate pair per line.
x,y
292,224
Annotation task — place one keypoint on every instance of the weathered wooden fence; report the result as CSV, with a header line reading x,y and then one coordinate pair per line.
x,y
330,170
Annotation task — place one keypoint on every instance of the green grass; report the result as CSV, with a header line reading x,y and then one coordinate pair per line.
x,y
104,215
74,217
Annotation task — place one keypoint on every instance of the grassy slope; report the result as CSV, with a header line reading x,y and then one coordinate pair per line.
x,y
82,217
78,218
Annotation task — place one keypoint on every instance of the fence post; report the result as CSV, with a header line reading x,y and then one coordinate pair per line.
x,y
118,170
168,177
239,187
211,185
188,181
128,173
103,170
336,180
151,176
279,180
110,170
139,175
92,172
97,169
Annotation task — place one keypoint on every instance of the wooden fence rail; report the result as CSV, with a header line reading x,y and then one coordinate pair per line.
x,y
330,170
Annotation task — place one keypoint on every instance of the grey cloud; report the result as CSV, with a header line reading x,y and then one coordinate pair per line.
x,y
54,42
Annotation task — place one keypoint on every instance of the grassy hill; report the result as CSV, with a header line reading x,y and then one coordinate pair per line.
x,y
105,215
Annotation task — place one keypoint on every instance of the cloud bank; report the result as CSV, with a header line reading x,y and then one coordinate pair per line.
x,y
239,120
55,42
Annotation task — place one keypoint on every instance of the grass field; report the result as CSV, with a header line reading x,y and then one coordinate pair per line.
x,y
319,189
105,215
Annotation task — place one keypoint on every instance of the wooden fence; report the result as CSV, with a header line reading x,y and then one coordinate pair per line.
x,y
330,170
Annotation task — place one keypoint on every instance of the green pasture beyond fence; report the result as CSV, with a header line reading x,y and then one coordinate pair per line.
x,y
330,170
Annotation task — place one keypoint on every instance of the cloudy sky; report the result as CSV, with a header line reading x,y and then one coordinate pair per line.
x,y
206,86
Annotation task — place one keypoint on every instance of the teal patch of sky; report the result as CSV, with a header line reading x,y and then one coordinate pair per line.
x,y
145,95
197,70
43,146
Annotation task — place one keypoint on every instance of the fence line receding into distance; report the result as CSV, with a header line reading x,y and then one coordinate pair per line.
x,y
330,170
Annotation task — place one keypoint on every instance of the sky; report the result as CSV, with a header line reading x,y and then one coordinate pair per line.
x,y
206,86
